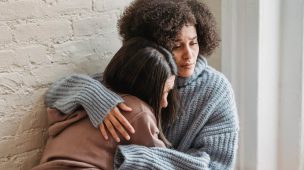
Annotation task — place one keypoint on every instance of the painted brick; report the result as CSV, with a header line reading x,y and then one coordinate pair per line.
x,y
21,10
102,24
73,50
36,54
15,83
19,83
21,143
9,60
88,55
9,165
41,41
58,30
30,9
48,74
23,161
70,6
6,35
8,126
2,109
107,45
20,106
35,117
29,159
102,5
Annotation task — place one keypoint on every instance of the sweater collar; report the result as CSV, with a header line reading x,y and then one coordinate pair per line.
x,y
200,66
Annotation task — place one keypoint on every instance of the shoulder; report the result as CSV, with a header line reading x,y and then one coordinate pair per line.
x,y
136,103
139,107
219,93
213,87
209,77
216,81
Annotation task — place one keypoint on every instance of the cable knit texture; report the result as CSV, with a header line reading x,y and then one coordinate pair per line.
x,y
205,135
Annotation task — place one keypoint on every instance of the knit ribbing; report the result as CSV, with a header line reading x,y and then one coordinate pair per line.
x,y
204,136
69,93
138,157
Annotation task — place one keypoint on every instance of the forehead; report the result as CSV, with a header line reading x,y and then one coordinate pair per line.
x,y
187,32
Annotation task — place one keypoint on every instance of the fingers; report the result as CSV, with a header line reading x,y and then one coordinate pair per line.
x,y
103,131
111,129
123,121
118,126
124,107
116,121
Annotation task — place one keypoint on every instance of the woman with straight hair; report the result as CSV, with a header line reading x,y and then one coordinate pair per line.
x,y
143,73
205,133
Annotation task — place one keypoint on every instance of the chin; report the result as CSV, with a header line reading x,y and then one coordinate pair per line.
x,y
186,74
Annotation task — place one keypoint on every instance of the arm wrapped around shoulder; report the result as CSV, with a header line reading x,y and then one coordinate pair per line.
x,y
71,92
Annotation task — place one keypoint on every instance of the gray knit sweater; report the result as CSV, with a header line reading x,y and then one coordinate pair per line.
x,y
205,135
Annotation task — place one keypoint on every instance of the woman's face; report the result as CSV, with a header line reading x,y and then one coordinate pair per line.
x,y
186,50
168,86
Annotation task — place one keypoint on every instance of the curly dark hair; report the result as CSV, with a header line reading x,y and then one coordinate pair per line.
x,y
162,20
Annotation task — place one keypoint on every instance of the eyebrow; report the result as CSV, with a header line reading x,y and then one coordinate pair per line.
x,y
176,40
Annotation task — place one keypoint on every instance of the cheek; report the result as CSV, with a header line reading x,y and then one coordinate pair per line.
x,y
195,50
177,57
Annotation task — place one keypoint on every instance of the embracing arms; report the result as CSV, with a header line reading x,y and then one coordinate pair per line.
x,y
71,92
210,142
213,147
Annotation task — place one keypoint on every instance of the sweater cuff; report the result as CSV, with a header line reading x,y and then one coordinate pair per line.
x,y
140,157
98,101
128,156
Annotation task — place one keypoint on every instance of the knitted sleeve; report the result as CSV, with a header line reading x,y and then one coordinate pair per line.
x,y
129,157
71,92
212,147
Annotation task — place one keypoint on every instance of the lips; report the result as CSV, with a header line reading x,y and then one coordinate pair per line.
x,y
187,66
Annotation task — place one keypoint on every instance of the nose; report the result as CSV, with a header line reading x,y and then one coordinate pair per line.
x,y
187,53
164,102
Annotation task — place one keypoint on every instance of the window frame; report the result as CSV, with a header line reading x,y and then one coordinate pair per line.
x,y
247,42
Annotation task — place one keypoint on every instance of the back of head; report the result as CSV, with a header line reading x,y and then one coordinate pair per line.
x,y
141,68
162,20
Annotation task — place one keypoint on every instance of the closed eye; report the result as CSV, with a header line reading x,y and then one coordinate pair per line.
x,y
177,46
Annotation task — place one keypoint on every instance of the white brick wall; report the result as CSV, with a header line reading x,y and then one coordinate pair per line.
x,y
40,41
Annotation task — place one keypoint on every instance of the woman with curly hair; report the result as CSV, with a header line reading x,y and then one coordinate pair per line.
x,y
204,134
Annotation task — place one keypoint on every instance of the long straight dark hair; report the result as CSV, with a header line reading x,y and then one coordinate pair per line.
x,y
141,68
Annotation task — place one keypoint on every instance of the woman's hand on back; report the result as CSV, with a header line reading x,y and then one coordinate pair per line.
x,y
116,121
